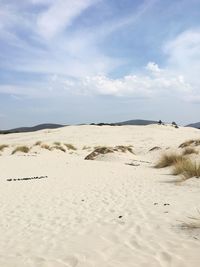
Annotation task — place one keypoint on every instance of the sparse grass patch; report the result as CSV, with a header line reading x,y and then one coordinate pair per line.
x,y
190,142
189,150
180,166
86,147
23,149
58,147
45,146
100,150
105,150
186,143
57,143
154,148
2,147
168,159
38,143
187,168
70,147
124,149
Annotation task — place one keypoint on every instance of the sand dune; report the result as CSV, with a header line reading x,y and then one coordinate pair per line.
x,y
114,211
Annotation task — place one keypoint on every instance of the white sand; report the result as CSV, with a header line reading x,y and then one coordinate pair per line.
x,y
72,218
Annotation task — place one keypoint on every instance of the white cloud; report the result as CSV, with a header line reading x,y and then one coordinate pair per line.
x,y
140,85
153,67
184,57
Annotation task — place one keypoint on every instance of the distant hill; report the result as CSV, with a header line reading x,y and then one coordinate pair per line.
x,y
130,122
194,125
32,129
137,122
54,126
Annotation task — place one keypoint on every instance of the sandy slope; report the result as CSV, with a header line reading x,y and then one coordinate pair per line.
x,y
98,213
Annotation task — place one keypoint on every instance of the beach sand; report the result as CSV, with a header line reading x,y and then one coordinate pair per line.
x,y
96,213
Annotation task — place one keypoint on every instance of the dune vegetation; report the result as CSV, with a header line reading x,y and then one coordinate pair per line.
x,y
168,159
23,149
2,147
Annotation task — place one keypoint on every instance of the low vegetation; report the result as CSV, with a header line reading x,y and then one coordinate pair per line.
x,y
168,159
45,146
154,148
23,149
102,150
187,168
182,165
38,143
86,147
124,149
189,150
190,142
99,150
70,147
2,147
57,143
59,147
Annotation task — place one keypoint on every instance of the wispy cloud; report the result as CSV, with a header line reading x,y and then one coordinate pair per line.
x,y
184,57
59,15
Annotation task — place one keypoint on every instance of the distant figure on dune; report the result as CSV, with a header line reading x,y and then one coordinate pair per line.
x,y
174,124
160,122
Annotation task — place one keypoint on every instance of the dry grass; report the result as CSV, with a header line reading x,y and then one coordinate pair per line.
x,y
57,143
124,149
45,146
58,147
100,150
187,168
38,143
189,150
70,147
86,147
23,149
2,147
186,143
169,159
190,142
154,148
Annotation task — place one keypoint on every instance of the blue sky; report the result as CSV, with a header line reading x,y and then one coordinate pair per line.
x,y
88,61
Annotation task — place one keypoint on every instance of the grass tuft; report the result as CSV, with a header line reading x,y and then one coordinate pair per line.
x,y
154,148
45,146
57,143
124,149
70,147
190,142
99,150
2,147
23,149
102,150
58,147
38,143
86,147
187,168
167,160
189,150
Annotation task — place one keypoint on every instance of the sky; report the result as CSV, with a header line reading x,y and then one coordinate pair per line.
x,y
85,61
